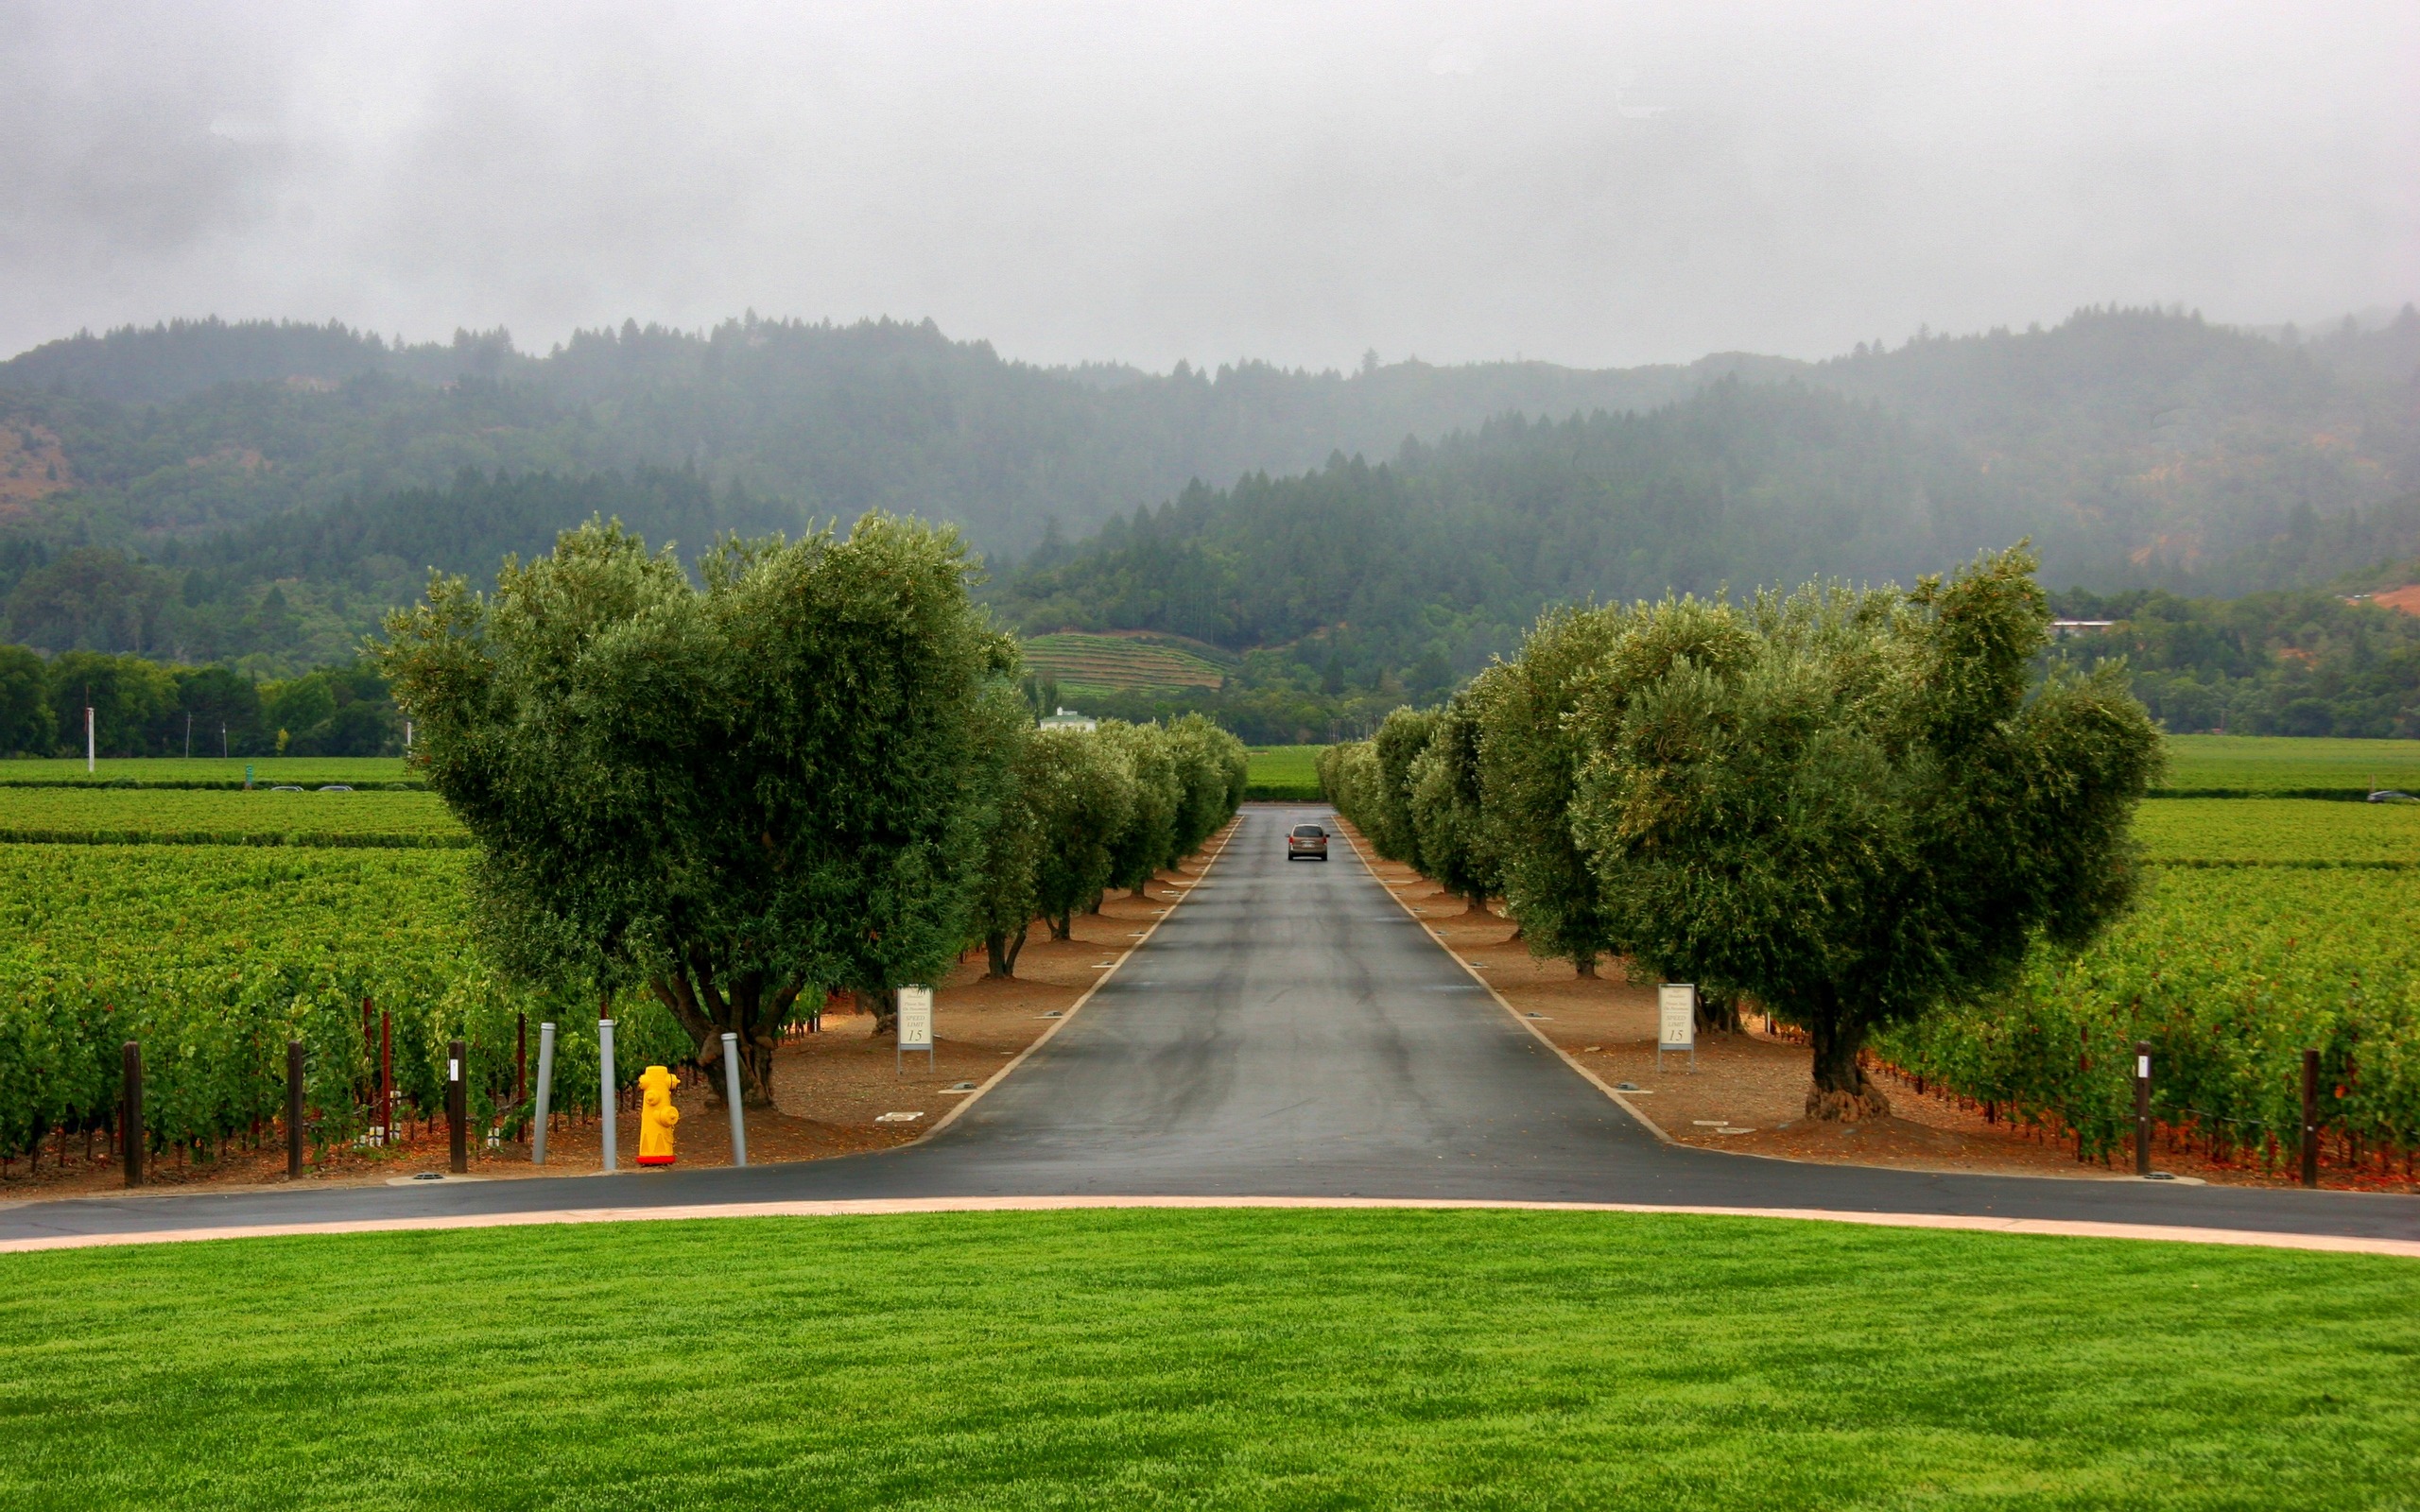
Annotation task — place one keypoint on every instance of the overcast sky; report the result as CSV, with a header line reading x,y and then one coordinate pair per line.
x,y
1598,184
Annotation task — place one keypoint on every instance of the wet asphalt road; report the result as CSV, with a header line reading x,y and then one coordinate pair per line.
x,y
1289,1031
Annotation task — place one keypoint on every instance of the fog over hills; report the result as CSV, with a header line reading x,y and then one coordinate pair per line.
x,y
157,484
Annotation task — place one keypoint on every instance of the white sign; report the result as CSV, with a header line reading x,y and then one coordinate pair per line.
x,y
1676,1006
915,1018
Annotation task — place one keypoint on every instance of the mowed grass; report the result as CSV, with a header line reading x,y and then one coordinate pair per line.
x,y
2262,762
2278,830
1207,1359
135,813
266,770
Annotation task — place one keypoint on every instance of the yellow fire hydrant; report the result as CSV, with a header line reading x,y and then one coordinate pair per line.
x,y
656,1116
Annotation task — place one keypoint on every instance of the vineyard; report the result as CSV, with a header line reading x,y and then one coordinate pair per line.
x,y
177,817
213,957
2277,832
1077,662
2277,763
1284,774
2229,973
209,772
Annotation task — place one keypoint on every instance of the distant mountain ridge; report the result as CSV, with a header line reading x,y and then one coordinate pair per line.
x,y
2137,447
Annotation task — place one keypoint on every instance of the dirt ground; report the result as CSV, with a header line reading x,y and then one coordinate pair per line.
x,y
830,1089
1747,1091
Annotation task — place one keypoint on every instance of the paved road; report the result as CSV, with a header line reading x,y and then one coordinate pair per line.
x,y
1289,1031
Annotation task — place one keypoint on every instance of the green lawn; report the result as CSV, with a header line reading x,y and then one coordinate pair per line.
x,y
2265,762
1207,1359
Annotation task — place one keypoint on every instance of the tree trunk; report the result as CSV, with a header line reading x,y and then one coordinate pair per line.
x,y
747,1011
1840,1092
884,1005
1063,927
1141,892
1016,948
995,946
1585,966
1477,904
1718,1014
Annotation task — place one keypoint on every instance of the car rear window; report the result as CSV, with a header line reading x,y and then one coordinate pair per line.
x,y
1309,832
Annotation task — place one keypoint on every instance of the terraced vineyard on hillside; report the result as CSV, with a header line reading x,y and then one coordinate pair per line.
x,y
1077,662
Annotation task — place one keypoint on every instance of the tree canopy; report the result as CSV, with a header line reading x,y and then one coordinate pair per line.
x,y
728,794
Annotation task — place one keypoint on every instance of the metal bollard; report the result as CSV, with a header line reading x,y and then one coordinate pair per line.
x,y
605,1075
294,1109
546,1091
2311,1118
2142,1108
130,1141
730,1096
457,1107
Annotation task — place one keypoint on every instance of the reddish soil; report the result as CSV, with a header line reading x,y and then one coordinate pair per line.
x,y
1755,1083
2406,598
829,1088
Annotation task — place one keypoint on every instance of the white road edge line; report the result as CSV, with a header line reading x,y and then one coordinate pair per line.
x,y
886,1207
1509,1012
959,1109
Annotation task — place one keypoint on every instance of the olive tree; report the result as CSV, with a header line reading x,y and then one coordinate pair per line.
x,y
1401,738
1852,805
1209,766
1529,759
1147,841
1445,799
727,794
1002,901
1081,788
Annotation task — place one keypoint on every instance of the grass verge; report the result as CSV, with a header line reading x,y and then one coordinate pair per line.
x,y
1209,1358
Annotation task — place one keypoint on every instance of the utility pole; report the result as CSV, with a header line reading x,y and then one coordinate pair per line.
x,y
88,738
189,737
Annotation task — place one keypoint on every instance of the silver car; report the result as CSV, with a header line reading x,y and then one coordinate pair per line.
x,y
1307,843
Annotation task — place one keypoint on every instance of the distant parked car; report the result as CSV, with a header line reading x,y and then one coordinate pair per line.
x,y
1307,843
285,787
335,787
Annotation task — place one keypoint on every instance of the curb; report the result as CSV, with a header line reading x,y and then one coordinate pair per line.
x,y
888,1207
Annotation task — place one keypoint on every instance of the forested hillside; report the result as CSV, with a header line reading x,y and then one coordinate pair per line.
x,y
261,493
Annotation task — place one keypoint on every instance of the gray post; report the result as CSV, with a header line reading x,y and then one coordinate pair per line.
x,y
605,1074
2142,1108
730,1095
546,1091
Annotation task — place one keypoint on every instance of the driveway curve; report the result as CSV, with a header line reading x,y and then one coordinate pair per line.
x,y
1289,1031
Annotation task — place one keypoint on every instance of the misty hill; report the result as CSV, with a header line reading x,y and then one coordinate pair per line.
x,y
156,486
184,429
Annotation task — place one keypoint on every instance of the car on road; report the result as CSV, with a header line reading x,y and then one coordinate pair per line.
x,y
1308,842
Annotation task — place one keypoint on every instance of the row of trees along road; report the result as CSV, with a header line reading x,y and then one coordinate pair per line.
x,y
1851,807
812,772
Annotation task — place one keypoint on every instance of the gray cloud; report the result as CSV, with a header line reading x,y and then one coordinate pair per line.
x,y
1594,185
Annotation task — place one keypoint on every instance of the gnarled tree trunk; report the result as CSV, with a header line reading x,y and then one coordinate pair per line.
x,y
1003,949
1841,1091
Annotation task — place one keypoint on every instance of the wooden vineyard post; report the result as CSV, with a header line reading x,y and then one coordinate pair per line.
x,y
2311,1118
457,1113
293,1110
130,1116
2142,1108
